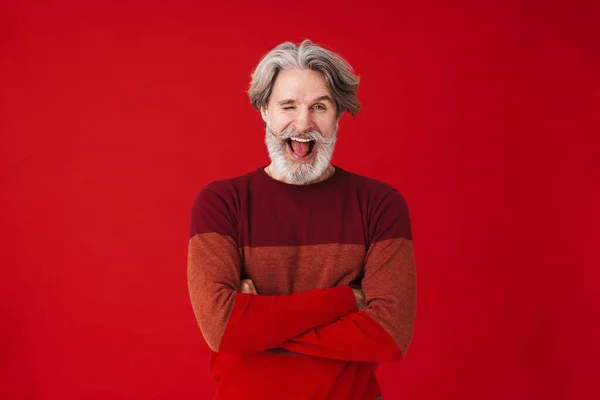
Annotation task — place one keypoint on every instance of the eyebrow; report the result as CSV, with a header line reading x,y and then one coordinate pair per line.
x,y
291,101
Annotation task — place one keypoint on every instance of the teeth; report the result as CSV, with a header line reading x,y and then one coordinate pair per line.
x,y
301,140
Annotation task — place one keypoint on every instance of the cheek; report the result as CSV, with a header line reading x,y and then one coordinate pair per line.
x,y
327,129
279,122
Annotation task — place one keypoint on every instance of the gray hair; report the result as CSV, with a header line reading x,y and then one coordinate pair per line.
x,y
339,76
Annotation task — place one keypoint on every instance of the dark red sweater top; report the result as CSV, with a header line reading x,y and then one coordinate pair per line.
x,y
302,337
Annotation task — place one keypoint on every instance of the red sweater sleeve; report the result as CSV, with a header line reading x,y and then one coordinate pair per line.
x,y
234,322
383,330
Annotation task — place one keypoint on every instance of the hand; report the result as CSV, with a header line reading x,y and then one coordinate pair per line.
x,y
360,298
248,287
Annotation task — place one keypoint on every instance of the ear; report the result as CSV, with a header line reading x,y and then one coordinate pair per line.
x,y
263,113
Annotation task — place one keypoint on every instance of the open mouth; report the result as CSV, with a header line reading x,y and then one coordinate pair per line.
x,y
301,147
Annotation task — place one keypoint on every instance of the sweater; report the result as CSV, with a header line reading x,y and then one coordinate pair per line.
x,y
305,247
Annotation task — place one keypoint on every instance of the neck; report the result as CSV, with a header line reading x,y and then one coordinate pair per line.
x,y
275,174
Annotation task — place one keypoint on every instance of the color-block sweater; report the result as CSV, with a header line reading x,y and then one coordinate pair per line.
x,y
305,248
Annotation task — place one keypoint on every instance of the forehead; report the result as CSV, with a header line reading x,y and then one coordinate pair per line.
x,y
299,85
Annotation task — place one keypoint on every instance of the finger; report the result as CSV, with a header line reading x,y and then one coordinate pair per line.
x,y
252,287
246,288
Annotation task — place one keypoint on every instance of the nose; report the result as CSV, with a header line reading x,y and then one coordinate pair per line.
x,y
303,121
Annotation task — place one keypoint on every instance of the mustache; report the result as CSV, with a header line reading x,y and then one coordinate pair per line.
x,y
311,135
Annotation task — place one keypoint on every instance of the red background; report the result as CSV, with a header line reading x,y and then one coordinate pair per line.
x,y
484,114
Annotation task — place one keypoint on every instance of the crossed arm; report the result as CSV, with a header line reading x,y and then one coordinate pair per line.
x,y
330,323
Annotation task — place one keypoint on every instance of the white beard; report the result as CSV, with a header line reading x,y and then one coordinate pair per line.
x,y
299,173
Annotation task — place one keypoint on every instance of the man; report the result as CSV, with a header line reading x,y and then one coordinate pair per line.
x,y
301,274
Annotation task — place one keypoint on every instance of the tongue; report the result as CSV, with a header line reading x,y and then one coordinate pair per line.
x,y
300,149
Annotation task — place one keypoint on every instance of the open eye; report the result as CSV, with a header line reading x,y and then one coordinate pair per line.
x,y
319,107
